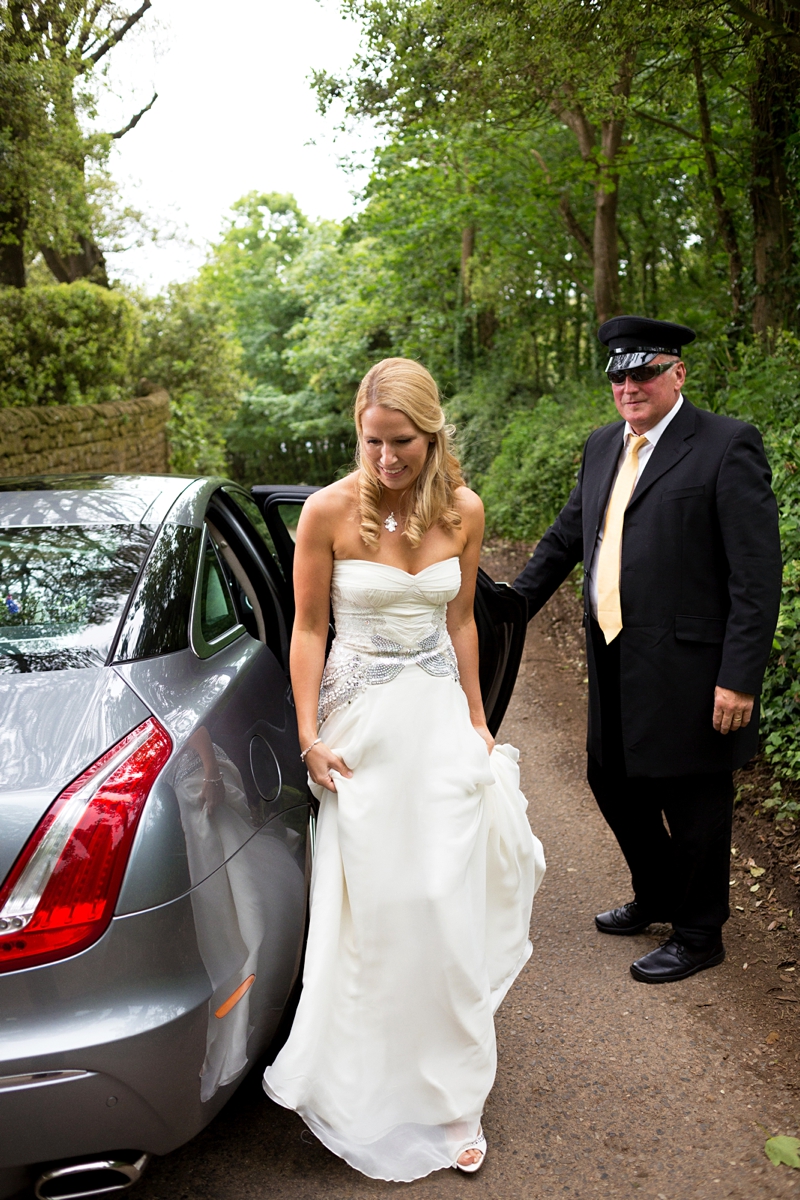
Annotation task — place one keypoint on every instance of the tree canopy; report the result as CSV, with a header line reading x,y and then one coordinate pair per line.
x,y
53,177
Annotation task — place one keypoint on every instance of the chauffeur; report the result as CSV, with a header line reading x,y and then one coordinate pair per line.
x,y
677,526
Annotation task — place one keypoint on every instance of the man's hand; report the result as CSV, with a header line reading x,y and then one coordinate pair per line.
x,y
732,710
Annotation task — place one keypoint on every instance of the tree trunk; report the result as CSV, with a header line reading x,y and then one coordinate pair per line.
x,y
467,251
488,326
465,319
726,226
606,249
86,263
13,222
773,100
578,330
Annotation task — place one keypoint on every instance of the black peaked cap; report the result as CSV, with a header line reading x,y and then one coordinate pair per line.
x,y
634,341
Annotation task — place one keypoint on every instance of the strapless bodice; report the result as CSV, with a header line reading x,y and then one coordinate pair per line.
x,y
387,619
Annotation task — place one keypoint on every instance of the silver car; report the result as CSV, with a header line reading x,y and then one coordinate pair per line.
x,y
156,831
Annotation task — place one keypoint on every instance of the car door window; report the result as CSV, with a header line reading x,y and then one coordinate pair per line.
x,y
241,586
281,506
157,620
217,613
246,549
215,621
289,514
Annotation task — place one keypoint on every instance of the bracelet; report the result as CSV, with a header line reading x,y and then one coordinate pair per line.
x,y
311,747
218,780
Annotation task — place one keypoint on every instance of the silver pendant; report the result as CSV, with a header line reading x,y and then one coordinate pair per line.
x,y
390,523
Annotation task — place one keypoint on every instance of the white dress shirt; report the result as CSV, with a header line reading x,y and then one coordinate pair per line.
x,y
645,451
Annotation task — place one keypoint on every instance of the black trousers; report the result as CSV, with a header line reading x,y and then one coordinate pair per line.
x,y
680,871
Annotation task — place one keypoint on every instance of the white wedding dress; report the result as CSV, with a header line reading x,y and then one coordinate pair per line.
x,y
421,894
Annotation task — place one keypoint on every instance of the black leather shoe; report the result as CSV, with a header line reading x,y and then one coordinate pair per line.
x,y
624,921
673,961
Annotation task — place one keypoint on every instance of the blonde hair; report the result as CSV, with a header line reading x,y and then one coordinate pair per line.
x,y
405,386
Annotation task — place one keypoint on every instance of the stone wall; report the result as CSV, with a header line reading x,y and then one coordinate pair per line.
x,y
128,436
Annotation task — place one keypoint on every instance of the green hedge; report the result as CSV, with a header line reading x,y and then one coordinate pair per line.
x,y
66,344
532,476
766,391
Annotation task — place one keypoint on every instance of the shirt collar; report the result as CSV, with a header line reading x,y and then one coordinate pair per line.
x,y
655,433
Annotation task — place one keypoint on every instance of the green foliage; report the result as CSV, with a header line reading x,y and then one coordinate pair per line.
x,y
248,272
781,696
300,438
783,1150
530,479
765,389
66,344
656,105
189,346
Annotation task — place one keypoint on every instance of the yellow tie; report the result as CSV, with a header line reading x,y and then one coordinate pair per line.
x,y
609,611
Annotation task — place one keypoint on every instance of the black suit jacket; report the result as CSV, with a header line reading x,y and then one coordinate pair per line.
x,y
699,586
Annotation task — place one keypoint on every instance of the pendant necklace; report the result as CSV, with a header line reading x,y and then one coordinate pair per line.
x,y
390,523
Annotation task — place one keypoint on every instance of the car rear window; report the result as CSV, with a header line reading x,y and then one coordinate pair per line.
x,y
62,591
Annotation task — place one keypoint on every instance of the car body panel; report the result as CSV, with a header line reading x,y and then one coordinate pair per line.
x,y
55,723
241,701
104,1111
89,499
501,616
190,506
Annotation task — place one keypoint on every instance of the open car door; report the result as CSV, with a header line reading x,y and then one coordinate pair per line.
x,y
501,614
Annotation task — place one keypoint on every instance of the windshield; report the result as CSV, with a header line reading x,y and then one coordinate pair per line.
x,y
62,592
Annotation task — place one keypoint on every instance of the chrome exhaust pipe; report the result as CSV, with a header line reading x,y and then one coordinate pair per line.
x,y
94,1177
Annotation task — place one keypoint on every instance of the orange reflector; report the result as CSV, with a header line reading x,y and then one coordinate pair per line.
x,y
235,997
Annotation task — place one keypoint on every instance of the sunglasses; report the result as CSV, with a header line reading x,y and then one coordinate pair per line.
x,y
641,374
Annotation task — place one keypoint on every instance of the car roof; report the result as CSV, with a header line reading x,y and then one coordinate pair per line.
x,y
89,499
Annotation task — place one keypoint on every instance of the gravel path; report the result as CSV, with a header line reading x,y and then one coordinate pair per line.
x,y
605,1087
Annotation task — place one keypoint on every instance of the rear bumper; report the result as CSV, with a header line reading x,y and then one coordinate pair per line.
x,y
49,1120
130,1015
141,1021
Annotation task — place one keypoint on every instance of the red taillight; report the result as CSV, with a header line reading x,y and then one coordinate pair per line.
x,y
60,895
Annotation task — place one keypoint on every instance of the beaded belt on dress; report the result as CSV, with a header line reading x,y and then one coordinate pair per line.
x,y
350,671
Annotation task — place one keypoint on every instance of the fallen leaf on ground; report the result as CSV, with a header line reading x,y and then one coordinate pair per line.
x,y
783,1150
757,872
772,1038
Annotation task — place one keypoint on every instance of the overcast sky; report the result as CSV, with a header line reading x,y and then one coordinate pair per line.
x,y
234,113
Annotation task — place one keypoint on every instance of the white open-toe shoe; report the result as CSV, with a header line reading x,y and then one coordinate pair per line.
x,y
480,1145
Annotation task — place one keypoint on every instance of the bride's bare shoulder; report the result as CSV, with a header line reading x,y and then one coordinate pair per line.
x,y
333,503
469,504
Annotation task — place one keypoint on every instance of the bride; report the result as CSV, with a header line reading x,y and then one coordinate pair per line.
x,y
425,866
